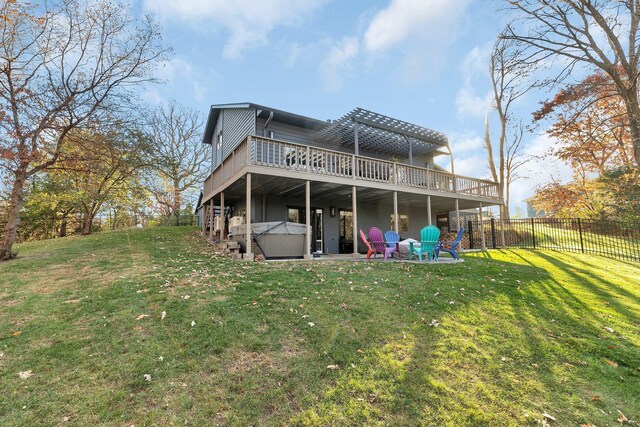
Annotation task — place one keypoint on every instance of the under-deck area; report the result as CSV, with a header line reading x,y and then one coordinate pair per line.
x,y
333,212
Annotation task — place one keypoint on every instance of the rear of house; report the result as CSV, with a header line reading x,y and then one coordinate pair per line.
x,y
335,177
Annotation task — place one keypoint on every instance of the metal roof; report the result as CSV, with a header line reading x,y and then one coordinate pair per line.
x,y
380,133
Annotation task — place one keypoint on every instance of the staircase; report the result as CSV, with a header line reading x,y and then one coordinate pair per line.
x,y
230,247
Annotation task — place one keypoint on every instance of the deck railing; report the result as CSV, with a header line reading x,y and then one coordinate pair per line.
x,y
273,153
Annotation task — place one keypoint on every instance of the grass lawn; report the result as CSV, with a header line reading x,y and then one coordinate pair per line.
x,y
500,339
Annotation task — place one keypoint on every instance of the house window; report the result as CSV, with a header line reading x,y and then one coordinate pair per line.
x,y
346,224
271,134
293,215
403,223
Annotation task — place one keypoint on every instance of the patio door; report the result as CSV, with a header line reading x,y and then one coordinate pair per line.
x,y
298,214
317,230
345,231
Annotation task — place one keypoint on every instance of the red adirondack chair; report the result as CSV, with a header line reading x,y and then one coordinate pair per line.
x,y
370,249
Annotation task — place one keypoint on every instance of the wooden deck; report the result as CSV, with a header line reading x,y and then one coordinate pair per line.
x,y
273,157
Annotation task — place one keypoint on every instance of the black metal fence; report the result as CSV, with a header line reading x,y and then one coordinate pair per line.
x,y
607,238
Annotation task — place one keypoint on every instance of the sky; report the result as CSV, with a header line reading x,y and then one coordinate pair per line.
x,y
422,61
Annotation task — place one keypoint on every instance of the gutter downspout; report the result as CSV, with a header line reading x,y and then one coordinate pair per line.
x,y
266,124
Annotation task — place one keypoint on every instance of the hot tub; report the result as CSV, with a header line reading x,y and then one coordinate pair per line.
x,y
273,240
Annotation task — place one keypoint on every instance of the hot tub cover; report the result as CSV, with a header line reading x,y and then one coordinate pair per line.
x,y
278,227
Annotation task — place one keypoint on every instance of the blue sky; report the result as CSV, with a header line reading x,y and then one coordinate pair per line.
x,y
423,61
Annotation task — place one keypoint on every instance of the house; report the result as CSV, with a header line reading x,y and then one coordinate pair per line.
x,y
336,176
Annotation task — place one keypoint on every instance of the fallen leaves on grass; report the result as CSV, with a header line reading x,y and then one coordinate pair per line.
x,y
550,417
609,329
142,316
434,323
16,334
163,315
622,419
611,363
333,367
147,377
311,324
25,374
193,323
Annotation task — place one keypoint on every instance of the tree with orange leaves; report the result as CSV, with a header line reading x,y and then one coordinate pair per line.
x,y
63,64
590,123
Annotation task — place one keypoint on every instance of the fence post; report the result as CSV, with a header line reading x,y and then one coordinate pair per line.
x,y
470,234
493,233
533,232
580,231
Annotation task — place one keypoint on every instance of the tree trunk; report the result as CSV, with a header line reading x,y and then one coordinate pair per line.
x,y
177,201
633,112
63,227
87,227
13,215
505,208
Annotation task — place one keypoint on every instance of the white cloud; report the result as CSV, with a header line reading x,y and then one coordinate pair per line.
x,y
468,155
403,19
465,142
248,22
470,104
474,69
336,66
179,73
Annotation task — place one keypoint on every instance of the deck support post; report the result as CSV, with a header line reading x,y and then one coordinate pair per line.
x,y
203,209
211,212
248,254
457,215
222,207
354,208
429,210
395,212
484,246
307,207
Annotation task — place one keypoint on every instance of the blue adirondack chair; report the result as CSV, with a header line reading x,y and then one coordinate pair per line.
x,y
392,238
428,241
454,244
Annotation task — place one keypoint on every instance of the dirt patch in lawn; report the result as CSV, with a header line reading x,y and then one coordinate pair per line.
x,y
252,361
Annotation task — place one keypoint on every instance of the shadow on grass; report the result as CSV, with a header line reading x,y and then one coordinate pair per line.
x,y
499,357
510,343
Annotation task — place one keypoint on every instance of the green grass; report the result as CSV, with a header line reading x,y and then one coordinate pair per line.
x,y
557,237
520,333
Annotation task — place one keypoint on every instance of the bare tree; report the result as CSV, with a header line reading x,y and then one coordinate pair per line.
x,y
62,64
178,157
509,72
598,33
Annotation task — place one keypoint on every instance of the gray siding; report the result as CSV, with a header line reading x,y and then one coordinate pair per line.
x,y
285,132
235,124
238,123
